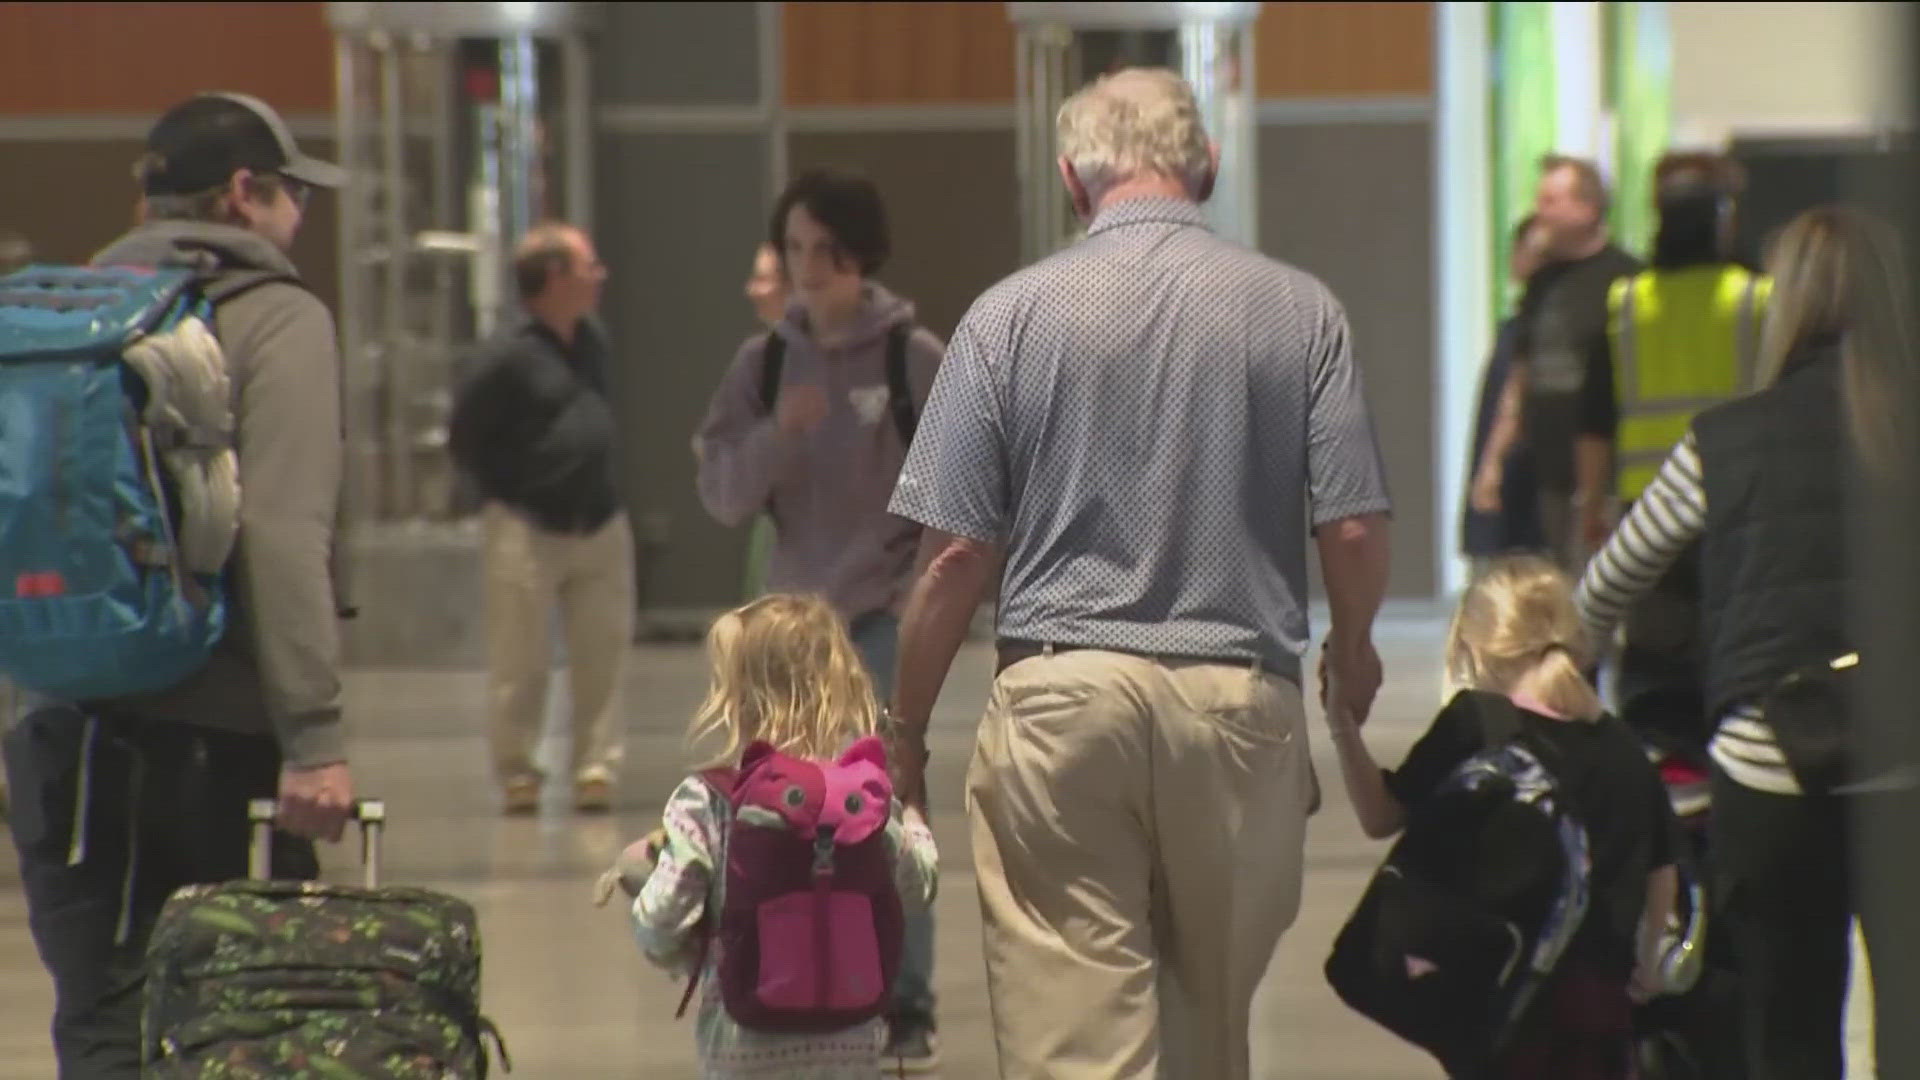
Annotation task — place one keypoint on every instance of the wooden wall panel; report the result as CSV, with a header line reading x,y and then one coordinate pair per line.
x,y
897,53
136,59
1344,49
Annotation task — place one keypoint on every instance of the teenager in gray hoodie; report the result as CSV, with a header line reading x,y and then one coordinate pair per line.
x,y
118,803
821,460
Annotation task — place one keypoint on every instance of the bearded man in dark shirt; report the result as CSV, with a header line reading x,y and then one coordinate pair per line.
x,y
1559,391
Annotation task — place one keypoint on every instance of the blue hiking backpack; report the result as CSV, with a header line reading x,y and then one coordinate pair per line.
x,y
118,489
1474,906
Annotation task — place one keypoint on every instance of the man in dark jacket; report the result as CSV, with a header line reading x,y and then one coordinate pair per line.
x,y
1558,396
534,430
1510,522
117,804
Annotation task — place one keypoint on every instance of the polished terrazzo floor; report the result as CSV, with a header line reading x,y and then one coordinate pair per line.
x,y
572,995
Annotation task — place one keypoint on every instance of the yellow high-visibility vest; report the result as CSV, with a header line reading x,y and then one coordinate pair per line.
x,y
1683,341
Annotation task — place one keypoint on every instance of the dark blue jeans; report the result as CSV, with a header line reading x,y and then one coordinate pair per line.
x,y
163,805
877,636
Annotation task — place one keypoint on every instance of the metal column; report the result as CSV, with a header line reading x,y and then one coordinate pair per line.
x,y
444,112
1063,46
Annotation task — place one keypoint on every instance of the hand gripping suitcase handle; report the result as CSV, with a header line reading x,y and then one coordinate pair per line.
x,y
370,813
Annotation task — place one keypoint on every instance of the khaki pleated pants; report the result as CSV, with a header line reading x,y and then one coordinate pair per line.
x,y
1138,828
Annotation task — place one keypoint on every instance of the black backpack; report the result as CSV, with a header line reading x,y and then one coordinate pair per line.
x,y
899,391
1472,909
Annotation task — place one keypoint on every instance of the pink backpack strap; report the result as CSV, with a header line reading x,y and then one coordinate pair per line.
x,y
722,783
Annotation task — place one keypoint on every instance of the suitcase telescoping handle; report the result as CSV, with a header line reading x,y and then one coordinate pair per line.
x,y
370,813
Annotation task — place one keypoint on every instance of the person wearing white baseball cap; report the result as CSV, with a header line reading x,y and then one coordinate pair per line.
x,y
118,803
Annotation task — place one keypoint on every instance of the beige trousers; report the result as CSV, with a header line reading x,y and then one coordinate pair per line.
x,y
1138,830
528,571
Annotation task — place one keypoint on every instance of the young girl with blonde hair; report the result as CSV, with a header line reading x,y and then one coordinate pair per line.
x,y
784,674
1517,636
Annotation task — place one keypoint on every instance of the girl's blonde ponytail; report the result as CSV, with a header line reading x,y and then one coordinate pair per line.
x,y
1518,621
1562,687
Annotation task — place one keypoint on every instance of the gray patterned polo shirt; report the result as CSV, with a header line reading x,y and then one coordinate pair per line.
x,y
1149,421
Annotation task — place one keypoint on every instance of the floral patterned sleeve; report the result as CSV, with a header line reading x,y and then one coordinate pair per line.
x,y
916,861
667,913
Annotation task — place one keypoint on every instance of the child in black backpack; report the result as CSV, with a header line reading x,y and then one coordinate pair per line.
x,y
1517,635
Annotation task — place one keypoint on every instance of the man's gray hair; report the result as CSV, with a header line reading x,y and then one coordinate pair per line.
x,y
1134,123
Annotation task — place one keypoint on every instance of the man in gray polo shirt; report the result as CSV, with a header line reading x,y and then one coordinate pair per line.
x,y
1144,427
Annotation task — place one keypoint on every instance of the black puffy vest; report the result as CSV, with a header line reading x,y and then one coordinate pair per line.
x,y
1774,560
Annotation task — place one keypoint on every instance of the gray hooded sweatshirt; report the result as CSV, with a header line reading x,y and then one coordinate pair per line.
x,y
277,671
826,491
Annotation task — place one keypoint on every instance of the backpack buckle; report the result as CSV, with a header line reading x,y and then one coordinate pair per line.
x,y
823,851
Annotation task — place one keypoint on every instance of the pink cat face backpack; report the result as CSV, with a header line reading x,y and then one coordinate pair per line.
x,y
810,928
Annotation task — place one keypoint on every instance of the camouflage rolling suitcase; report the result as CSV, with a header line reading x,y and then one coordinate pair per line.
x,y
295,980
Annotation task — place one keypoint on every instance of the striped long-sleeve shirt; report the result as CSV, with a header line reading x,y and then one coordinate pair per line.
x,y
1668,516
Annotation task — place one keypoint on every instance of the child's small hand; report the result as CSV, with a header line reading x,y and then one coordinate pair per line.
x,y
651,845
631,870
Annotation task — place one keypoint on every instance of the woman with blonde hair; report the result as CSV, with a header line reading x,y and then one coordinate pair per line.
x,y
784,674
1517,637
1762,483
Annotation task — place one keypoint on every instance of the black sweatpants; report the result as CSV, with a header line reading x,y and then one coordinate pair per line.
x,y
110,819
1784,870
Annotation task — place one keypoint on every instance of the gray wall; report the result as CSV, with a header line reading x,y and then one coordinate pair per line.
x,y
1352,203
679,54
678,212
678,217
952,204
681,207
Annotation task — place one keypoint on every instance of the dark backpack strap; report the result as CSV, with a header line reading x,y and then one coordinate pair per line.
x,y
1500,723
221,288
693,980
899,390
1499,719
721,782
772,359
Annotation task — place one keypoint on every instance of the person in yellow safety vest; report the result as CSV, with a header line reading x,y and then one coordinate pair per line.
x,y
1684,335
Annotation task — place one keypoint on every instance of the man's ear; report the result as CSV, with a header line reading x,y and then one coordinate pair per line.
x,y
1204,190
243,191
240,186
1082,204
